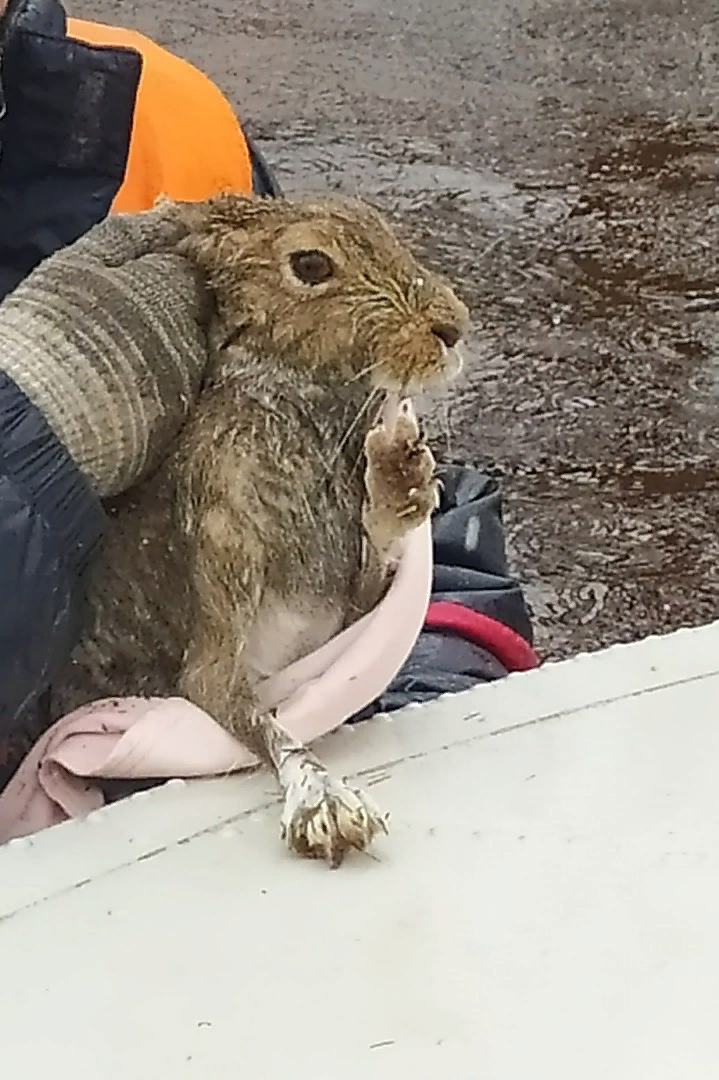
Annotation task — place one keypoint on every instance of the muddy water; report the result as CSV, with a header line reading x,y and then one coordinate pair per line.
x,y
559,161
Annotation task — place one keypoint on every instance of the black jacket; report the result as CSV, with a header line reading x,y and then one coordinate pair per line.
x,y
66,112
65,122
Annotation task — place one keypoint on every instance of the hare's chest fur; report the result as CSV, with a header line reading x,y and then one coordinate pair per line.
x,y
286,514
287,630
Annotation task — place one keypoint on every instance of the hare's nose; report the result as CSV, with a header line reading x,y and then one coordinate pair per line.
x,y
447,333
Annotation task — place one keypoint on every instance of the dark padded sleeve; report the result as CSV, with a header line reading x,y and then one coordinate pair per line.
x,y
50,526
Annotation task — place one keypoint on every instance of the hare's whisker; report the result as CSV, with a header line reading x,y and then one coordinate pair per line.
x,y
360,454
363,372
361,412
311,516
446,425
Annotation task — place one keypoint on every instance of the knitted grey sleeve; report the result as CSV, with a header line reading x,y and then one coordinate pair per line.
x,y
108,339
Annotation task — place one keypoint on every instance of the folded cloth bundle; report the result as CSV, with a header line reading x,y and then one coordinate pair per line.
x,y
134,738
476,629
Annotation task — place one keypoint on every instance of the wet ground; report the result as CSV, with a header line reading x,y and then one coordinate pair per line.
x,y
559,161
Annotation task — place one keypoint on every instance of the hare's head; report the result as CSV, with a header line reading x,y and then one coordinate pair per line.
x,y
324,283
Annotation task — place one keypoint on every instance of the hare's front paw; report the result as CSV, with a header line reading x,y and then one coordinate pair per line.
x,y
399,477
322,817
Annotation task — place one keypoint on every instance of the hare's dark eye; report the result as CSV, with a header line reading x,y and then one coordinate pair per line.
x,y
311,267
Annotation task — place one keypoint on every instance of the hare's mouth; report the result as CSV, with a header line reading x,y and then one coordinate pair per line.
x,y
420,373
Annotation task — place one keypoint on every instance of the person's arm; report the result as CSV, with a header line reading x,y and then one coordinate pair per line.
x,y
97,119
65,125
186,142
91,343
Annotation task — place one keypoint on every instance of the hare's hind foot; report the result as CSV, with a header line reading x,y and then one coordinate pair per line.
x,y
323,818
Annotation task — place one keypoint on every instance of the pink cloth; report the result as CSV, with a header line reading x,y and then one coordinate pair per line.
x,y
137,737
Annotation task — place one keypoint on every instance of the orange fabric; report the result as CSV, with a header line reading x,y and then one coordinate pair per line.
x,y
186,142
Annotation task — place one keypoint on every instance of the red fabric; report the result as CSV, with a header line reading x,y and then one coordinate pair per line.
x,y
506,644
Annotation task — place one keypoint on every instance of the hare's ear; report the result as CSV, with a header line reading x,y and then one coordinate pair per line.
x,y
224,213
216,224
163,202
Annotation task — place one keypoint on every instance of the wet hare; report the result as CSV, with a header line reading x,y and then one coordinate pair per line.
x,y
275,521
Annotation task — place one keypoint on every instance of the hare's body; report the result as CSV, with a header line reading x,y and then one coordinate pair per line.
x,y
265,492
276,520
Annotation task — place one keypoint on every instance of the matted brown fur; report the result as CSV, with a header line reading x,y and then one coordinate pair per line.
x,y
273,522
